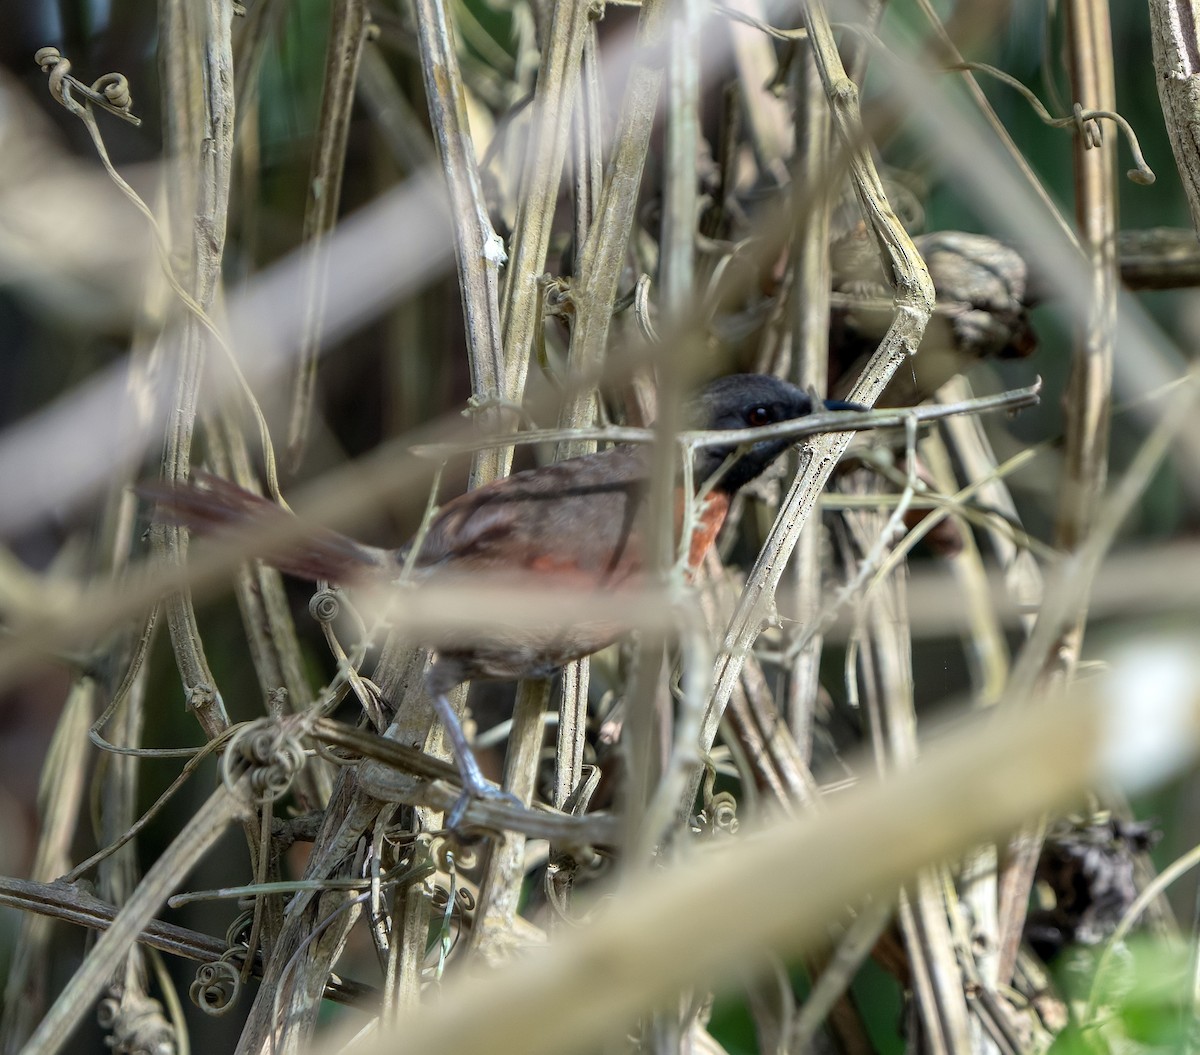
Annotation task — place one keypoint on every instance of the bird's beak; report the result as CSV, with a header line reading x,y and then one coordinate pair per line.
x,y
838,404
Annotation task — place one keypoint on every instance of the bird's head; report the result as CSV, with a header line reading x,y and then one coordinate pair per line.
x,y
742,401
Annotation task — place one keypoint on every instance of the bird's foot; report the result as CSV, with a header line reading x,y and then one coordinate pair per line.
x,y
480,790
475,784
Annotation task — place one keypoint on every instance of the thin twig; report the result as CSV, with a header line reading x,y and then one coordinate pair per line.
x,y
343,53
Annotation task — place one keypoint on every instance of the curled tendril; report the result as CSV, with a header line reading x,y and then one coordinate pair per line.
x,y
723,813
237,934
719,812
449,852
270,751
464,899
137,1025
641,309
1085,122
109,92
325,605
216,987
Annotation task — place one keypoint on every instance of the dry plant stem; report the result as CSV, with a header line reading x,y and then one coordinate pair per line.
x,y
193,841
199,108
118,875
1177,63
479,250
553,105
648,811
407,940
552,108
401,679
59,796
663,820
1159,258
588,177
776,761
570,738
350,817
839,972
480,254
266,612
983,634
596,978
1089,393
603,256
768,996
398,123
285,1007
769,123
1088,401
504,865
587,149
914,299
71,904
600,262
973,451
677,252
342,56
274,652
938,983
987,656
811,283
1073,577
387,773
569,748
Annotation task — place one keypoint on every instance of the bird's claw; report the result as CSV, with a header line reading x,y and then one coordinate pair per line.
x,y
482,791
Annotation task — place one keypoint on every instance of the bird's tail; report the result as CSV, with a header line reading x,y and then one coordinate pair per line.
x,y
211,505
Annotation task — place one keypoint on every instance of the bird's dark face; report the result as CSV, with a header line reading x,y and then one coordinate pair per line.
x,y
743,401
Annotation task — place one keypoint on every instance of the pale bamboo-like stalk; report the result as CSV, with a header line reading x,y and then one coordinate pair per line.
x,y
479,250
1088,401
811,283
553,107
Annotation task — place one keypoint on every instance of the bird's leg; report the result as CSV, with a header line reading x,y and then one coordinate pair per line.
x,y
475,784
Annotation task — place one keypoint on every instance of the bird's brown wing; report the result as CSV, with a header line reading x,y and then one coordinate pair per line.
x,y
578,521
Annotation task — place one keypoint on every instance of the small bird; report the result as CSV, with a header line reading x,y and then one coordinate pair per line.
x,y
578,523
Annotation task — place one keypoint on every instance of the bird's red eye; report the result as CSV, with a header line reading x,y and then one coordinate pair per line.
x,y
758,416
